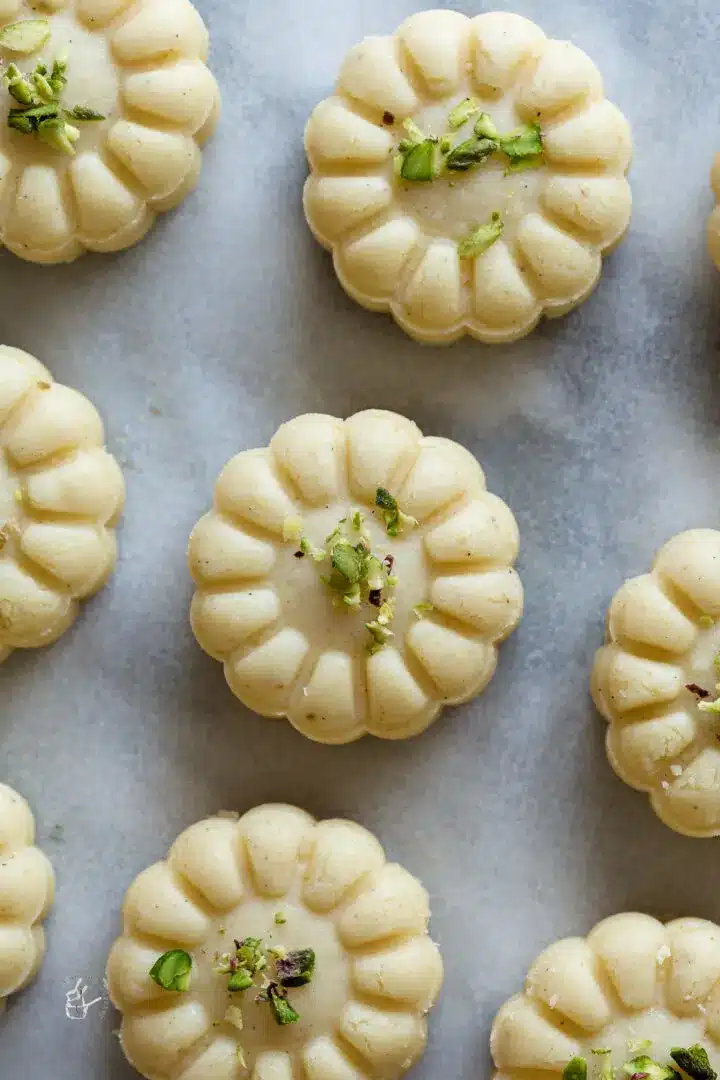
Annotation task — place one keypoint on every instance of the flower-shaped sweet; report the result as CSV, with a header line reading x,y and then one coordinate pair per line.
x,y
60,496
27,887
615,1004
430,590
655,679
139,66
550,196
224,920
714,223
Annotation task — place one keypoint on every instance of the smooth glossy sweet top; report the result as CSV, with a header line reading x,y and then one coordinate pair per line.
x,y
376,973
141,65
394,242
27,887
289,648
663,637
632,986
714,223
61,494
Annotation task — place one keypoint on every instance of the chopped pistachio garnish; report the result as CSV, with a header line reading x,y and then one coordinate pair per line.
x,y
413,132
357,576
576,1069
280,918
482,238
395,520
40,112
694,1062
524,147
417,157
308,548
601,1050
645,1068
484,128
296,968
638,1046
250,960
281,1007
421,610
172,970
234,1016
469,153
462,112
379,628
25,37
420,161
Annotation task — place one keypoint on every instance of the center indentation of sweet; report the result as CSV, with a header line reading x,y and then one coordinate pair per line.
x,y
653,1033
311,606
318,1004
702,674
457,202
91,82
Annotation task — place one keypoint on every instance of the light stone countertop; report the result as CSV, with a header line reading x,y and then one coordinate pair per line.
x,y
599,430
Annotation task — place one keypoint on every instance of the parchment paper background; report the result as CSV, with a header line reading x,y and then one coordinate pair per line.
x,y
600,431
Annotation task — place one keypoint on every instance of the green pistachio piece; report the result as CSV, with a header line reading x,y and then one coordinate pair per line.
x,y
83,115
576,1069
56,133
353,596
296,968
413,132
646,1068
481,239
42,87
280,918
379,634
393,516
251,954
172,970
523,146
446,144
420,161
484,127
21,90
462,112
694,1061
240,980
469,153
19,122
348,561
25,37
58,76
421,610
281,1007
308,548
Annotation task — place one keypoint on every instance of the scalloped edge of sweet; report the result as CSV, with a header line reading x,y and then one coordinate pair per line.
x,y
38,372
659,802
456,466
552,1012
476,329
343,875
149,205
35,929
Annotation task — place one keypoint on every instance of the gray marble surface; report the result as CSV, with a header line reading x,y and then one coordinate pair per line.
x,y
600,430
